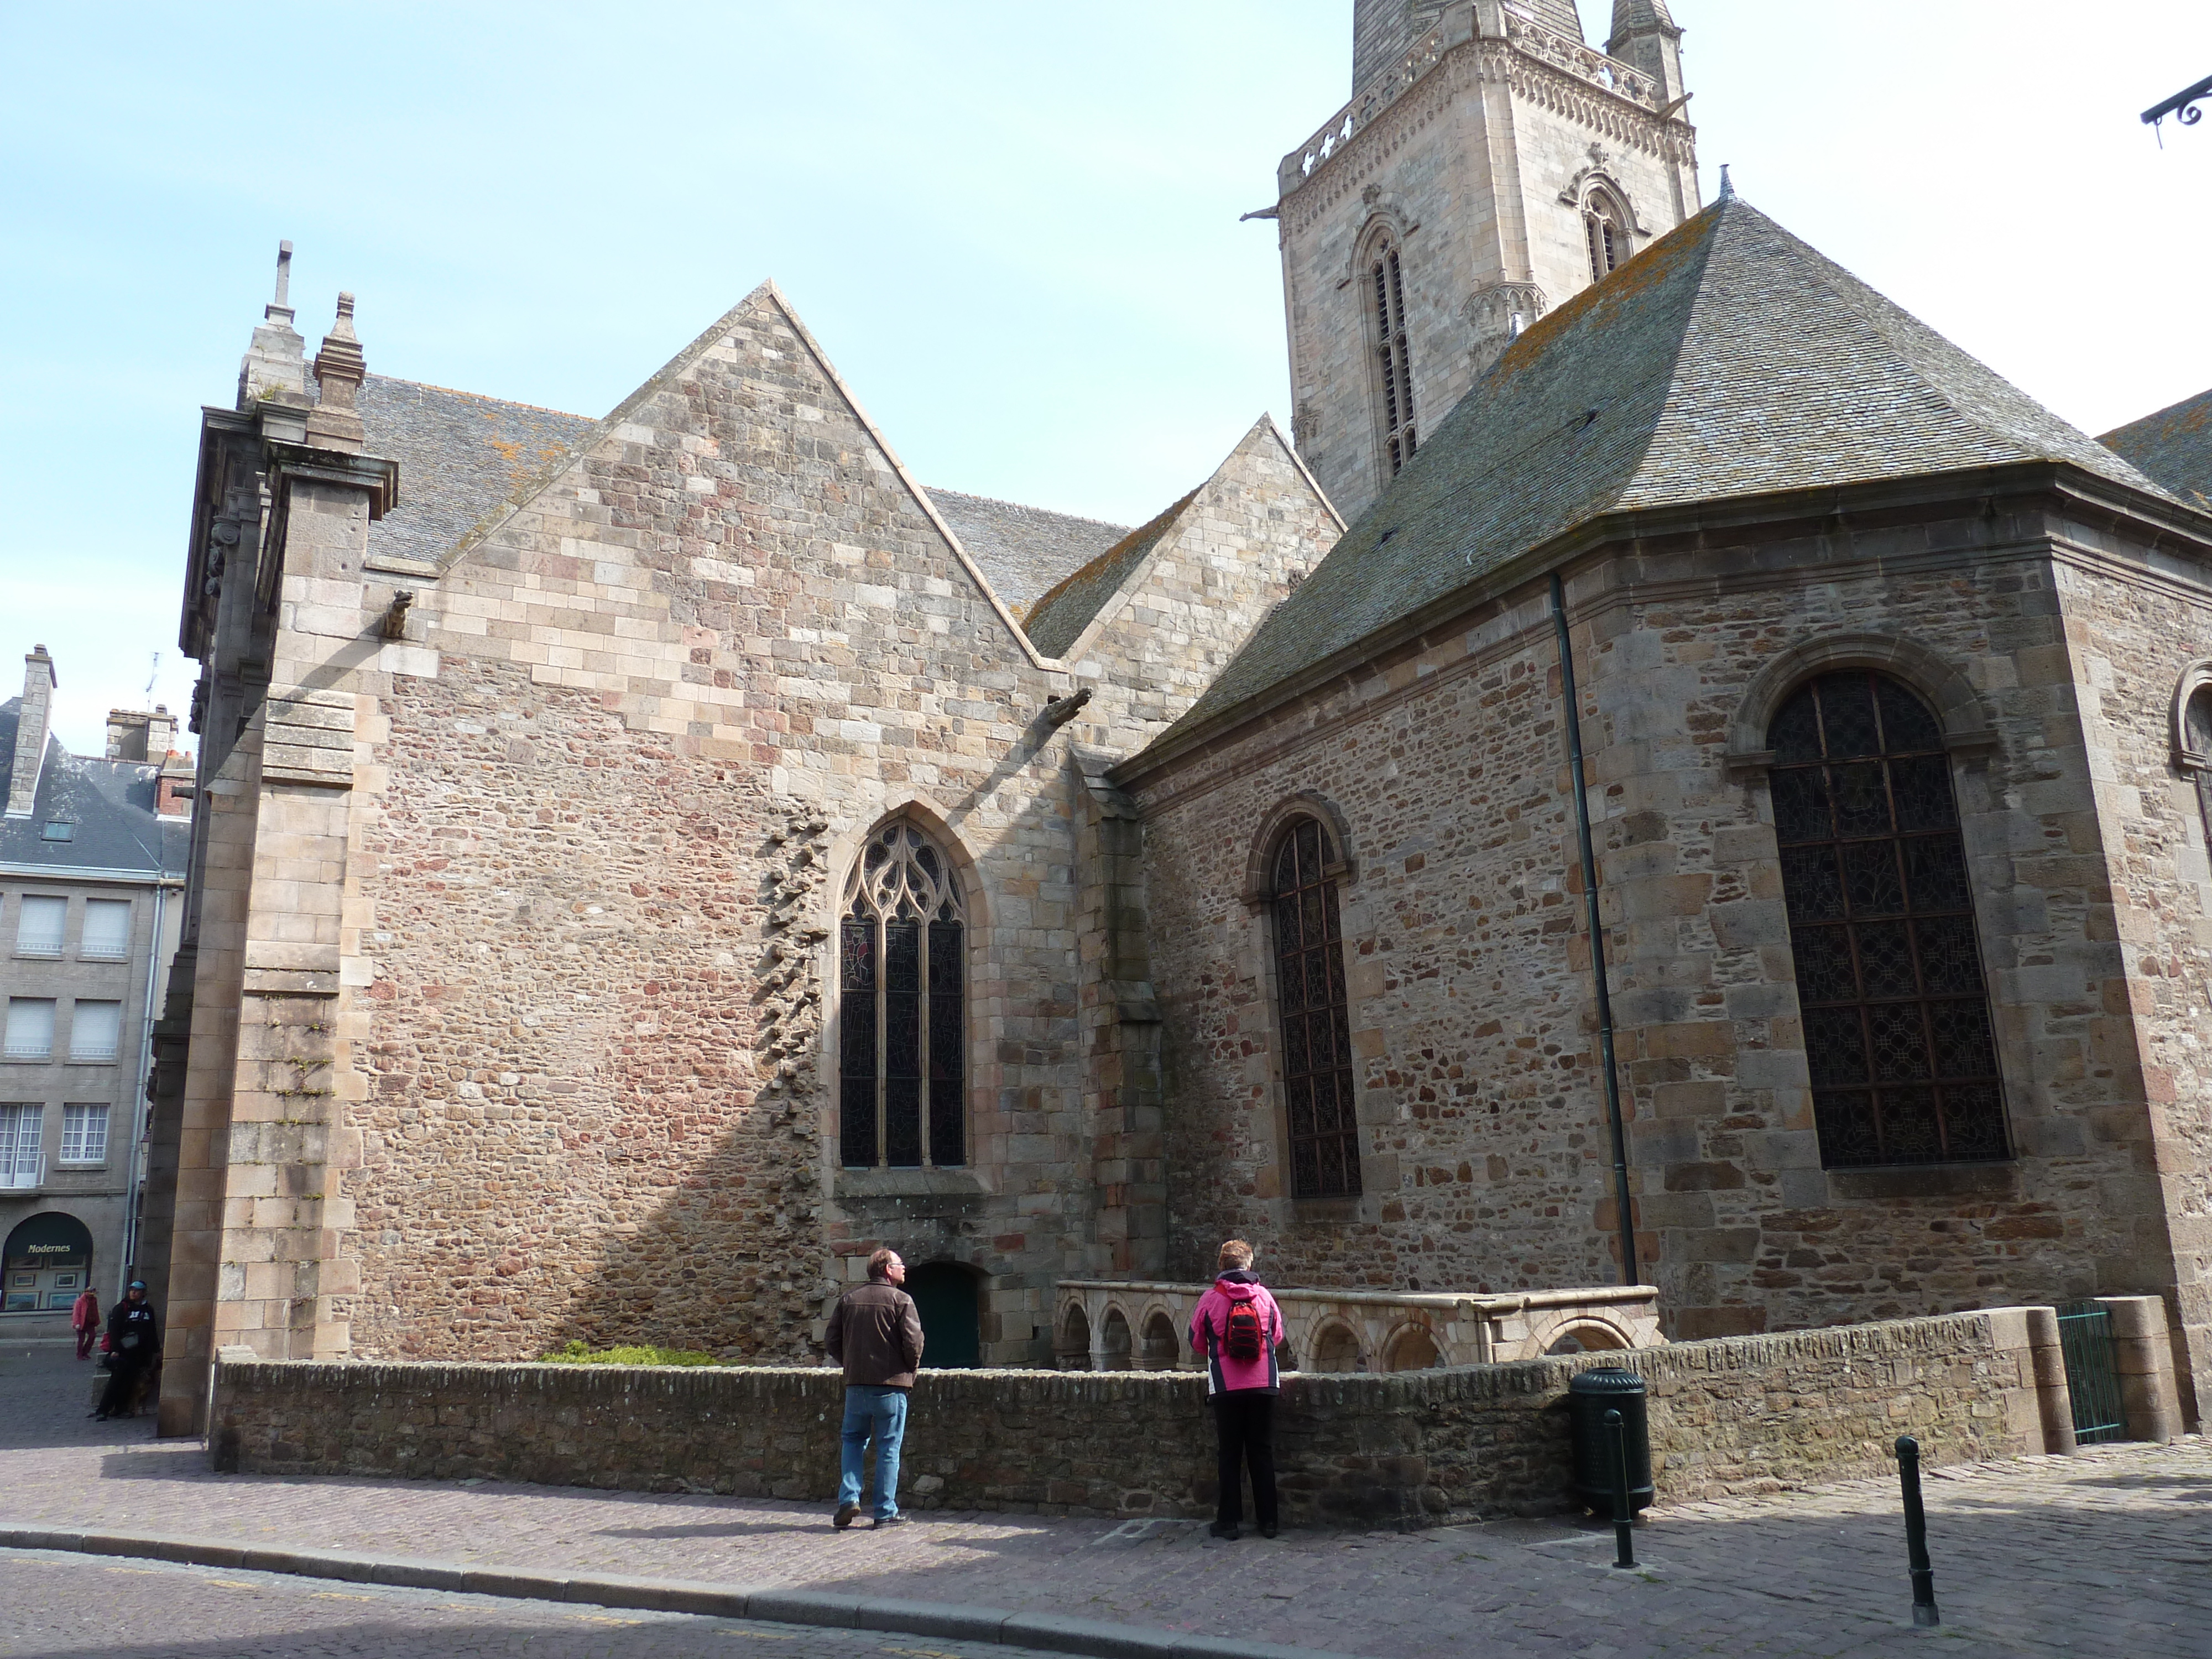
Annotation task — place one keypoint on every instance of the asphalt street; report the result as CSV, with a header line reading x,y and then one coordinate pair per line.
x,y
55,1605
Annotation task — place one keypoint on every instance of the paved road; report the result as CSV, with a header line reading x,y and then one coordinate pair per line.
x,y
2107,1553
56,1606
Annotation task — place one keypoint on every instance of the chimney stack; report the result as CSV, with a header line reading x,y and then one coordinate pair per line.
x,y
133,735
32,723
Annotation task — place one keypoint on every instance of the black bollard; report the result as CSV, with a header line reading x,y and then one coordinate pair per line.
x,y
1916,1534
1624,1518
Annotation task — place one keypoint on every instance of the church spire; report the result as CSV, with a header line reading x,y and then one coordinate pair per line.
x,y
1645,34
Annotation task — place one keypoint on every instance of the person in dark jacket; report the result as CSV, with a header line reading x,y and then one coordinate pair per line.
x,y
1236,1328
134,1342
875,1334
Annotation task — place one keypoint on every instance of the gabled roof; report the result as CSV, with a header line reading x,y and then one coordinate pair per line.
x,y
110,805
460,456
1057,620
1023,550
2174,447
1728,359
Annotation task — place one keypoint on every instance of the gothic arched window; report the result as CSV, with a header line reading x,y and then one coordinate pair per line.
x,y
1324,1130
1394,367
1605,226
902,1010
2197,751
1881,926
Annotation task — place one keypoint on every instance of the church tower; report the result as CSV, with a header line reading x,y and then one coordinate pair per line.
x,y
1490,165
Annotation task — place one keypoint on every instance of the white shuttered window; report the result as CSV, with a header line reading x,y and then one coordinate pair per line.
x,y
30,1028
39,928
94,1029
106,929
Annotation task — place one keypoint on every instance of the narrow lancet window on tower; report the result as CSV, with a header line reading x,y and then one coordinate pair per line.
x,y
1316,1026
1606,228
1393,364
903,1006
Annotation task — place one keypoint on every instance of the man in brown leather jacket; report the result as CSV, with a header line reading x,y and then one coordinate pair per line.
x,y
875,1334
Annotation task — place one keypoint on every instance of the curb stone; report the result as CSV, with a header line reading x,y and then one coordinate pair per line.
x,y
1050,1633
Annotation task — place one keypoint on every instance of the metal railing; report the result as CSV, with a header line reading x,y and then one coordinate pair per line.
x,y
2092,1377
38,944
18,1177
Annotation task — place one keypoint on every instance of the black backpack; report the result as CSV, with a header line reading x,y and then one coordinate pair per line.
x,y
1244,1334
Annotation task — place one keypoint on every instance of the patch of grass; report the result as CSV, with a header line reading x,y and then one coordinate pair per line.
x,y
576,1353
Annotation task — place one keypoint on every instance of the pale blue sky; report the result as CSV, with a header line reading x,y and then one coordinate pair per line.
x,y
1013,227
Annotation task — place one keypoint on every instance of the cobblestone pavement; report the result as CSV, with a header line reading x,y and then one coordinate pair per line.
x,y
56,1606
2106,1554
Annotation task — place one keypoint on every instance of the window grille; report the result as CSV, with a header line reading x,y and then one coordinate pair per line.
x,y
84,1134
1606,227
902,1010
1316,1026
20,1164
95,1030
39,927
1882,926
106,929
1393,360
30,1028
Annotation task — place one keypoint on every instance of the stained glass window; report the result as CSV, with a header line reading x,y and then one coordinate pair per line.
x,y
2196,738
1316,1026
1881,926
903,1015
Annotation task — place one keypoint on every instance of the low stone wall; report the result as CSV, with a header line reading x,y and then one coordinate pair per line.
x,y
1412,1449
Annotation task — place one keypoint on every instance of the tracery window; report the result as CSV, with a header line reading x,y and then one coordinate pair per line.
x,y
1393,363
1881,925
1324,1131
902,1009
1606,228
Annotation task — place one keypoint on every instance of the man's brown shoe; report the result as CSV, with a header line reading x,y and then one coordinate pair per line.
x,y
845,1516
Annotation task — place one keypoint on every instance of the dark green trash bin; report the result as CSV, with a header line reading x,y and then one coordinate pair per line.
x,y
1590,1395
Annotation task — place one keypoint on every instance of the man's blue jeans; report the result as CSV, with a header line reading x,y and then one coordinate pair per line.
x,y
877,1414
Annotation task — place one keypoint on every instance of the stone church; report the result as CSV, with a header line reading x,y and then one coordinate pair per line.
x,y
1669,772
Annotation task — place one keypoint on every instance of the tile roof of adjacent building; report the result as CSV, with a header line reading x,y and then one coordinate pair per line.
x,y
460,456
1023,550
1728,359
2174,445
1057,620
110,806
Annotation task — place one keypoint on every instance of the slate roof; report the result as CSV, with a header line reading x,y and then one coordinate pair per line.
x,y
1023,550
110,802
460,456
2174,447
1560,16
1057,620
1727,359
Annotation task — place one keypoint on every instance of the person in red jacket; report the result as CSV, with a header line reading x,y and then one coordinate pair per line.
x,y
84,1319
1236,1327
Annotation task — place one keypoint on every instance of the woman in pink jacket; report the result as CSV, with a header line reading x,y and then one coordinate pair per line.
x,y
1237,1326
84,1320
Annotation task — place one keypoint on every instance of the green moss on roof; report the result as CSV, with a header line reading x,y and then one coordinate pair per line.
x,y
2174,445
1057,620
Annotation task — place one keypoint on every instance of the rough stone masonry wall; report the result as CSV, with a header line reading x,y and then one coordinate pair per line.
x,y
1411,1449
1441,761
652,719
2131,634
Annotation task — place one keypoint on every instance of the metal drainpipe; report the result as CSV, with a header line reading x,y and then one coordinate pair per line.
x,y
1574,723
